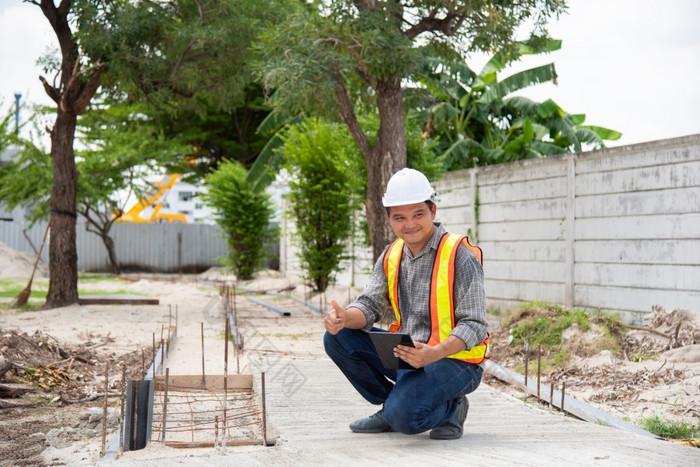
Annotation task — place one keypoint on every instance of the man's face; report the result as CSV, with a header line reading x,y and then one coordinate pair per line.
x,y
413,223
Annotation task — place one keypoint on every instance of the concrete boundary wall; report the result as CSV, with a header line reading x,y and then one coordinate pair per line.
x,y
616,229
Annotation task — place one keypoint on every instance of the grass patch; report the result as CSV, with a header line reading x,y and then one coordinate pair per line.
x,y
494,311
546,325
10,289
94,277
671,429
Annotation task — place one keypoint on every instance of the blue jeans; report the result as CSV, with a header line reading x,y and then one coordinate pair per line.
x,y
414,400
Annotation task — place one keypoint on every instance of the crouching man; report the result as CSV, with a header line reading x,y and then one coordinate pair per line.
x,y
433,282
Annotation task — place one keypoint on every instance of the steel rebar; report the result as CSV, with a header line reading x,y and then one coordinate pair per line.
x,y
527,359
539,356
563,389
264,421
121,411
104,411
226,331
551,395
204,380
165,403
216,430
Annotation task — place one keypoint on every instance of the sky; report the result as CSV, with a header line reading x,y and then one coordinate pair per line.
x,y
629,65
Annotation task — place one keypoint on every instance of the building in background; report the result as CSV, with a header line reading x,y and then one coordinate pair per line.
x,y
184,198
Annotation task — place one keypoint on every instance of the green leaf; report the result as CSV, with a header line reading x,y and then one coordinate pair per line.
x,y
518,81
604,133
548,108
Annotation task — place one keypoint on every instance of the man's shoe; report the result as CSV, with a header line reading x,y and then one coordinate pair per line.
x,y
455,426
375,423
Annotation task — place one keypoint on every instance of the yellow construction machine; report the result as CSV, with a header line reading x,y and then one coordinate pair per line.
x,y
154,197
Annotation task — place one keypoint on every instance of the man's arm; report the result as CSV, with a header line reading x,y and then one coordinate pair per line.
x,y
469,299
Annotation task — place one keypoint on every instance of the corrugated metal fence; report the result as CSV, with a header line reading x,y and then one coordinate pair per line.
x,y
146,247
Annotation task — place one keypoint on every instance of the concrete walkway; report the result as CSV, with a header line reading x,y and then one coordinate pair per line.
x,y
310,404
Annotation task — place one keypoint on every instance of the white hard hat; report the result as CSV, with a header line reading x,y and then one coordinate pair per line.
x,y
407,186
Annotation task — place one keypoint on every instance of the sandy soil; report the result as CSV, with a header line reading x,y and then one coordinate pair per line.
x,y
65,433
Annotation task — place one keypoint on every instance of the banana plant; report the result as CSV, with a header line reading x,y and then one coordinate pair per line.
x,y
479,122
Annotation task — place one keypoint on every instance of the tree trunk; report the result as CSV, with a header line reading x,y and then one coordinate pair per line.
x,y
111,252
77,87
386,158
63,256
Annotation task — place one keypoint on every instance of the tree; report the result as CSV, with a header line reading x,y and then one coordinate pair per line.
x,y
336,57
242,213
76,84
478,121
179,54
217,134
323,194
122,146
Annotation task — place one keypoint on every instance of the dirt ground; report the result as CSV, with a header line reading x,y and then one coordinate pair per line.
x,y
61,355
637,372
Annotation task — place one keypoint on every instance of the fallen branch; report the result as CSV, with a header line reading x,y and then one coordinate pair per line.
x,y
14,390
646,329
10,404
5,366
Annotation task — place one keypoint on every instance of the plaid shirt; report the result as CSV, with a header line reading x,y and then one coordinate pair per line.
x,y
415,275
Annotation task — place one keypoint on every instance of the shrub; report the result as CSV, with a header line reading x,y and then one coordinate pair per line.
x,y
243,214
323,164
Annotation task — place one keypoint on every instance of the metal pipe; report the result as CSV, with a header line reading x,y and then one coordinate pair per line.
x,y
270,306
18,96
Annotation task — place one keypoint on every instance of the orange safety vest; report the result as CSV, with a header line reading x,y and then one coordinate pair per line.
x,y
442,318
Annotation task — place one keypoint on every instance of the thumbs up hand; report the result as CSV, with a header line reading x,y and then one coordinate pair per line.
x,y
335,319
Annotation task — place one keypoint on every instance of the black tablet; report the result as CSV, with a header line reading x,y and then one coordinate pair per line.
x,y
385,342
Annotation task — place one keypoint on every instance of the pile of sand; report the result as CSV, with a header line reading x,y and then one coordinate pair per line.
x,y
18,264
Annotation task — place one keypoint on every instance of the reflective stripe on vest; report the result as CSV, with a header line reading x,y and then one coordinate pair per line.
x,y
441,293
